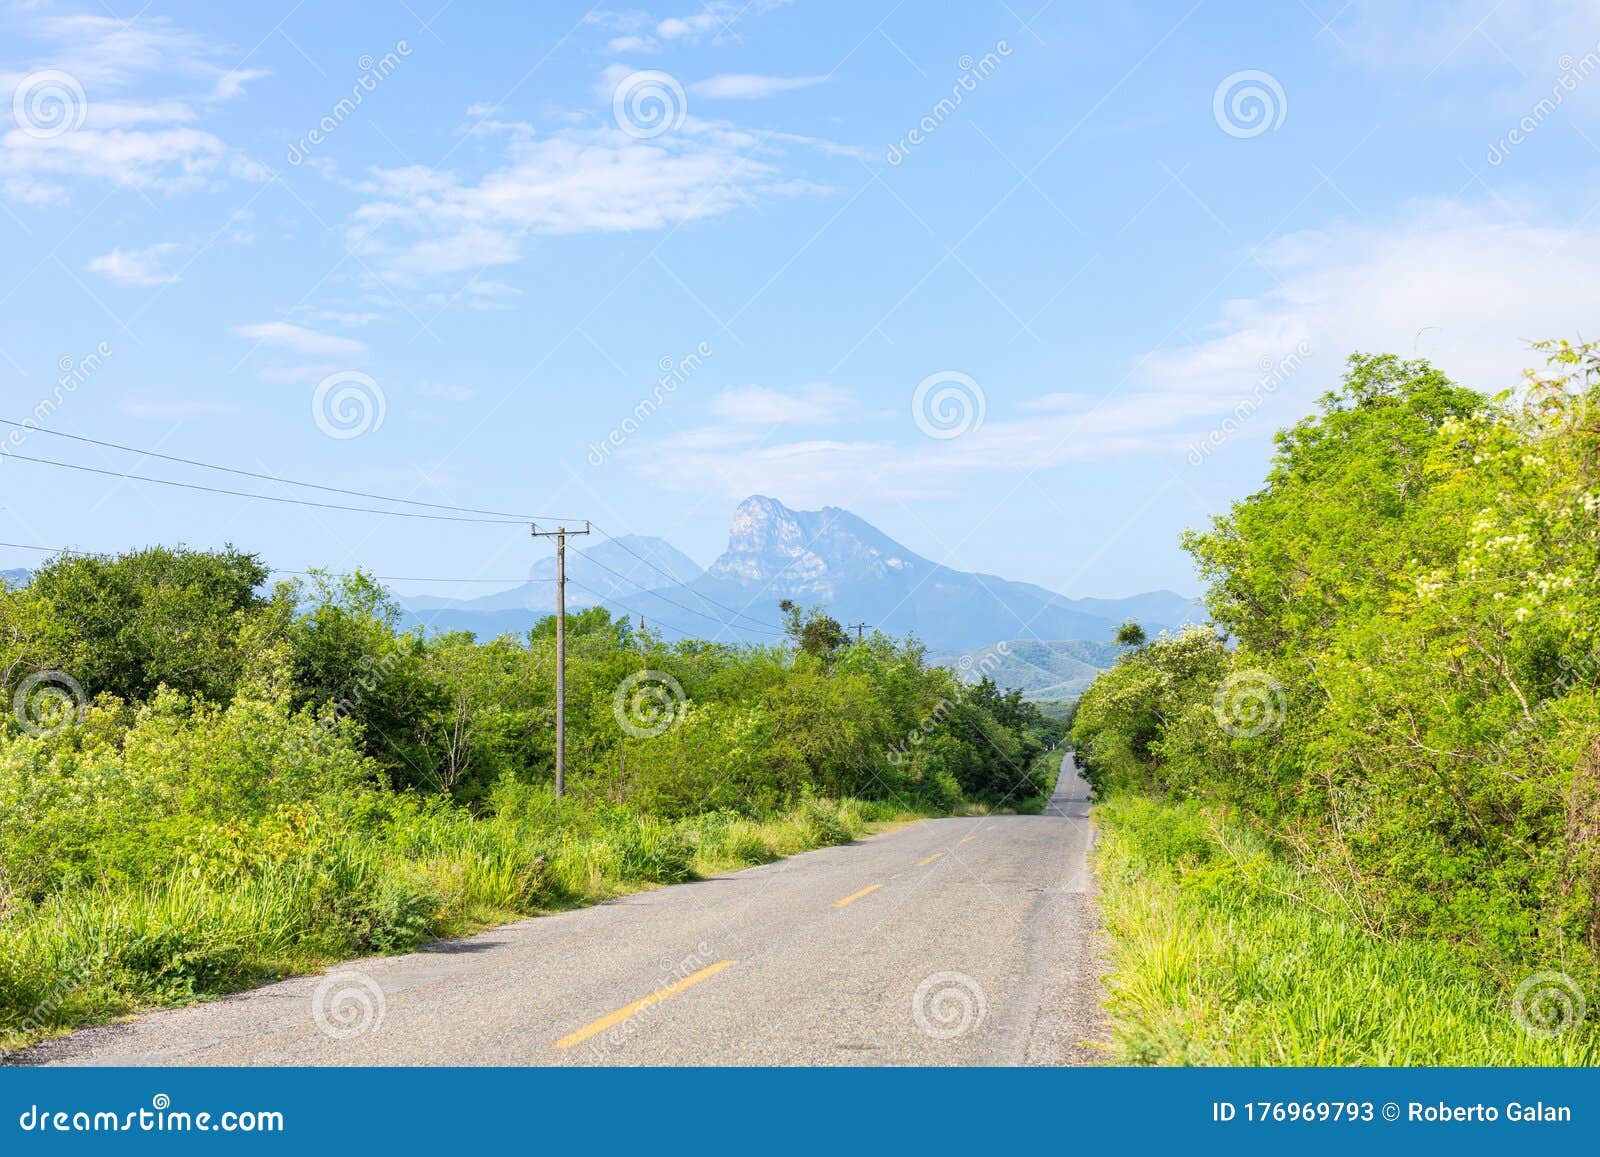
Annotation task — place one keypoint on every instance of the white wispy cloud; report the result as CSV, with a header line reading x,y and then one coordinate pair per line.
x,y
815,404
152,144
718,22
446,393
298,375
626,44
147,266
175,409
750,86
297,339
420,221
350,319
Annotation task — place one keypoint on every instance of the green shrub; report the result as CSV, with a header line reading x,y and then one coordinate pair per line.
x,y
1408,702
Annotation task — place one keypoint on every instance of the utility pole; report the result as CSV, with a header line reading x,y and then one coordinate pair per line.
x,y
858,628
560,535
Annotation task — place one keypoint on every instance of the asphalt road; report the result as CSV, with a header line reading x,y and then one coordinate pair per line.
x,y
968,941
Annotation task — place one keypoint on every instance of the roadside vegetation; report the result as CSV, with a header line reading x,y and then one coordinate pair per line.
x,y
1359,820
207,783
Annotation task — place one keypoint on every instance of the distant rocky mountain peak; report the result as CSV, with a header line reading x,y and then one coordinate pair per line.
x,y
810,553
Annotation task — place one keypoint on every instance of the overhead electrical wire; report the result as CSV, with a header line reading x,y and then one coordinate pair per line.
x,y
624,606
415,578
768,629
388,578
264,497
467,514
400,578
677,581
277,478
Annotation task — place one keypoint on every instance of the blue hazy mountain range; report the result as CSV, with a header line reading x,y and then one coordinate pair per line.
x,y
826,557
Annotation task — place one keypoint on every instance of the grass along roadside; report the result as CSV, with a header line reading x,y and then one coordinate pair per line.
x,y
94,955
1226,955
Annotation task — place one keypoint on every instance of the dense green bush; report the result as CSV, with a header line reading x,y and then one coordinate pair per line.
x,y
1409,701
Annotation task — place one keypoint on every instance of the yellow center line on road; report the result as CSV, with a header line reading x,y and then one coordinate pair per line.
x,y
929,860
854,896
639,1006
970,838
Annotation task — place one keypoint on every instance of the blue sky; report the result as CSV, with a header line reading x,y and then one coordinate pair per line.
x,y
1036,331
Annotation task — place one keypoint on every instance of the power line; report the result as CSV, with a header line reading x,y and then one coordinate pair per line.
x,y
263,497
679,582
400,578
388,578
624,606
657,594
603,598
271,477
